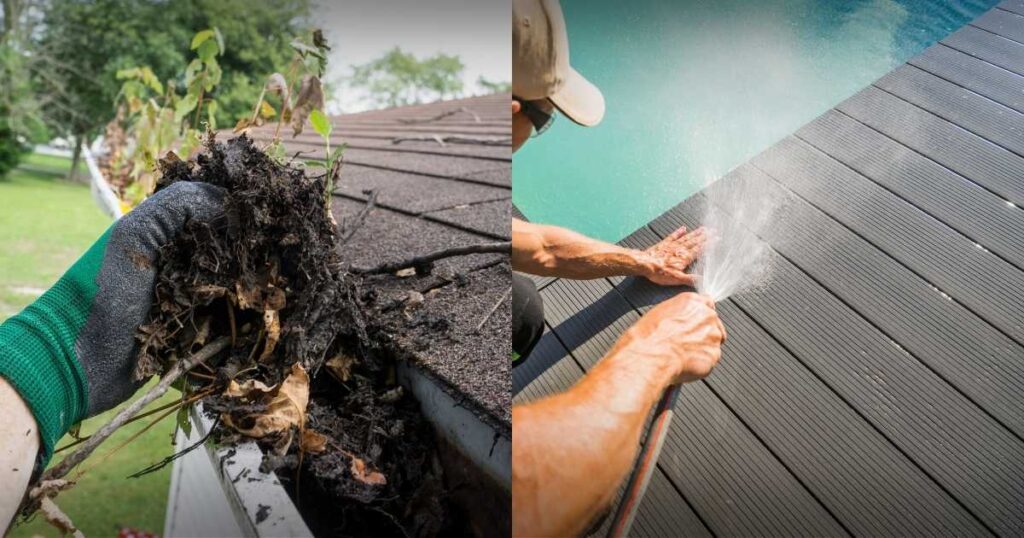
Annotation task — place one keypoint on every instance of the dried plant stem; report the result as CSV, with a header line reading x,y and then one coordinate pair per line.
x,y
481,248
64,467
175,405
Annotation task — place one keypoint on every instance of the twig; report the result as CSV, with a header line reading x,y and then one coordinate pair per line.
x,y
454,139
441,116
426,260
175,404
494,309
169,459
64,467
360,218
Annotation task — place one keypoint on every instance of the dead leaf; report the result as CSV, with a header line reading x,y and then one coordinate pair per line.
x,y
311,97
267,110
364,473
287,409
407,272
243,125
252,389
272,325
209,292
340,366
392,395
276,83
313,442
56,517
203,333
273,298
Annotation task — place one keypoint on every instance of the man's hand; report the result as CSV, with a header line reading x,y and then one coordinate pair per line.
x,y
72,353
561,481
668,260
683,334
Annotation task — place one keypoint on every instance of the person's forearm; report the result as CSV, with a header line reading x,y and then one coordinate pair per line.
x,y
19,446
552,251
570,452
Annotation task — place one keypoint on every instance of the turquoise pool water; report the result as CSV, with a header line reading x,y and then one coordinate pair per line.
x,y
696,88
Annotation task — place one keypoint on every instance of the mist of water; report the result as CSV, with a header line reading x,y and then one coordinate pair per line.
x,y
735,259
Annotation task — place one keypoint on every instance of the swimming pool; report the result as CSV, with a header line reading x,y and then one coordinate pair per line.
x,y
696,88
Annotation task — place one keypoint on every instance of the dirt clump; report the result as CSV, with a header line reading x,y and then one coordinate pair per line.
x,y
307,375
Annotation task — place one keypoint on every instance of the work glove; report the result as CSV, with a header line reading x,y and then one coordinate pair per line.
x,y
71,354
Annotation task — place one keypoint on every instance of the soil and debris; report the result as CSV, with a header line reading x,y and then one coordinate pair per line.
x,y
309,373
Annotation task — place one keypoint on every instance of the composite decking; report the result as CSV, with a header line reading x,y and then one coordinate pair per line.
x,y
875,386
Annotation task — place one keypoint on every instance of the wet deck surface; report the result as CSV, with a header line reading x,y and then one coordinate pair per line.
x,y
440,183
874,386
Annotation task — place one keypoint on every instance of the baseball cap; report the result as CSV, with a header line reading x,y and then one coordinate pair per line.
x,y
540,63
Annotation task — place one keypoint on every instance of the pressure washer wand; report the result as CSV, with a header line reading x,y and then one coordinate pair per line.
x,y
645,464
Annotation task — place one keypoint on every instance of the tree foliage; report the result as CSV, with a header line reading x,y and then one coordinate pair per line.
x,y
399,78
87,42
492,86
20,116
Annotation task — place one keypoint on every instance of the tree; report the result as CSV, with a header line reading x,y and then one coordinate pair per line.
x,y
84,43
398,78
20,121
490,87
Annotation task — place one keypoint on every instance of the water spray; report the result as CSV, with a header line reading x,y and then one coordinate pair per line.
x,y
735,259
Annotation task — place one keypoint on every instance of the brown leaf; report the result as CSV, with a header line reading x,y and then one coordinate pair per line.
x,y
340,366
273,298
250,389
276,83
311,97
246,296
364,473
243,125
56,517
272,326
313,442
287,409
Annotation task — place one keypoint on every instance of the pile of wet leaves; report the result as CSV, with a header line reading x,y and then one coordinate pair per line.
x,y
267,274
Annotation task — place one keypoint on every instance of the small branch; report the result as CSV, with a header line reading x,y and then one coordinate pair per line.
x,y
455,139
426,260
494,309
441,116
64,467
360,218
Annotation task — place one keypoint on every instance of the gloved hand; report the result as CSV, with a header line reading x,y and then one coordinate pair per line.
x,y
71,354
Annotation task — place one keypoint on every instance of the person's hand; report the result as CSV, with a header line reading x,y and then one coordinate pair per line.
x,y
72,353
667,261
683,333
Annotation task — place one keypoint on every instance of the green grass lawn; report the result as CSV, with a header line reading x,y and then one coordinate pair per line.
x,y
46,224
50,164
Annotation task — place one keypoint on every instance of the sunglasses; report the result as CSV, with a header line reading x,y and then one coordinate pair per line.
x,y
540,113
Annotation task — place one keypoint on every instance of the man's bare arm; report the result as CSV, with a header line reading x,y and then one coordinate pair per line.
x,y
553,251
571,451
19,446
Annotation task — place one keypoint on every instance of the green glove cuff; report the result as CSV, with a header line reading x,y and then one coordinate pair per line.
x,y
37,349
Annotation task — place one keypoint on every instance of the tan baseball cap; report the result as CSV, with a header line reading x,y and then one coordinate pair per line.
x,y
540,63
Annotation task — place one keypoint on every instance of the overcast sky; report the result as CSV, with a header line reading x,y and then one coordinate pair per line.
x,y
478,31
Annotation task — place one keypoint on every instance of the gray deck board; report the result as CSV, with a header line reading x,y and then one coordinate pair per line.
x,y
983,78
980,115
994,49
872,386
948,260
1005,23
959,203
977,159
971,354
1016,6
